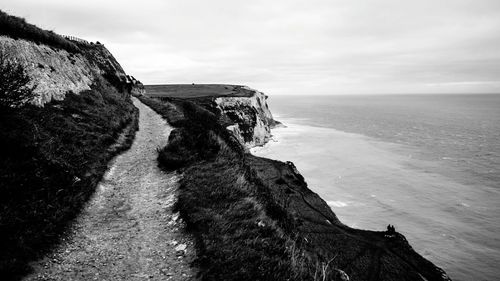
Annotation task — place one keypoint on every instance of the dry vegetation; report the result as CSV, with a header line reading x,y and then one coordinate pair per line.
x,y
16,27
241,233
15,90
256,219
51,159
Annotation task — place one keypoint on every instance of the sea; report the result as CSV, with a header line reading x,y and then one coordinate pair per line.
x,y
427,164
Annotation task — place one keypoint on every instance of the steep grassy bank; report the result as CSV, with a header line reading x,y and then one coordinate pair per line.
x,y
54,149
17,27
242,234
256,219
51,159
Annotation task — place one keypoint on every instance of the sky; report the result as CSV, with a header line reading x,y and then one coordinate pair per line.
x,y
289,47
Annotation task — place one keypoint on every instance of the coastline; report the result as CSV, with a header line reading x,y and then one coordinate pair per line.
x,y
292,230
362,179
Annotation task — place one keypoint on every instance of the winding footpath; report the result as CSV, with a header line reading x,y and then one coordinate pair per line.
x,y
127,230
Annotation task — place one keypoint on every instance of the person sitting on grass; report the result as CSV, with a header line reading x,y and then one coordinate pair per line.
x,y
391,229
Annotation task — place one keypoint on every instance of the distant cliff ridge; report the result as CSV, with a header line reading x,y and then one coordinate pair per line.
x,y
243,110
251,116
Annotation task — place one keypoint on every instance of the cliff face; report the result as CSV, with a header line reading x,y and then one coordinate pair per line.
x,y
359,254
57,72
250,114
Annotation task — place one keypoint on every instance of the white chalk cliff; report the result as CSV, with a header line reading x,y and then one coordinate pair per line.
x,y
57,71
252,120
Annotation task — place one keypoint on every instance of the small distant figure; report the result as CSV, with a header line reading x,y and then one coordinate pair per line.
x,y
391,229
192,84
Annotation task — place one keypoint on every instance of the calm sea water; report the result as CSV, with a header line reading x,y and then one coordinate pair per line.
x,y
429,164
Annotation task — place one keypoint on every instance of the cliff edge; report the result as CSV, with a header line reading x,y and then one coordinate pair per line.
x,y
256,218
250,116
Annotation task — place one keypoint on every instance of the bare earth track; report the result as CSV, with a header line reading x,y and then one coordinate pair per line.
x,y
127,231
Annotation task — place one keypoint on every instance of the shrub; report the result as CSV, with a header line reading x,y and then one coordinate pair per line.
x,y
15,90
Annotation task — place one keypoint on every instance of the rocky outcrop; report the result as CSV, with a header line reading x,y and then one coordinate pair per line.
x,y
137,90
57,71
248,110
136,87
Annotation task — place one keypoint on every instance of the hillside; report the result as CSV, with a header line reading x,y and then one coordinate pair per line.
x,y
260,213
55,149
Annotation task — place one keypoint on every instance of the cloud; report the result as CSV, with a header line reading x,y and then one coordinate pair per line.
x,y
290,46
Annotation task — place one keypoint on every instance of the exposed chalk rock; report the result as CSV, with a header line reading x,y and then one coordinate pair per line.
x,y
251,116
56,71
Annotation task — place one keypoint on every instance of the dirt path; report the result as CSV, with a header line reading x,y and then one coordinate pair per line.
x,y
127,231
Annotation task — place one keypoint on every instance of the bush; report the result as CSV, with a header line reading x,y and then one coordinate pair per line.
x,y
14,87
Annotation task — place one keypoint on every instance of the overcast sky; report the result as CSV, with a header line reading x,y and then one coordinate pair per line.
x,y
291,47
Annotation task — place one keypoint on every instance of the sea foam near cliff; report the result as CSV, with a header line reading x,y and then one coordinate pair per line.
x,y
446,207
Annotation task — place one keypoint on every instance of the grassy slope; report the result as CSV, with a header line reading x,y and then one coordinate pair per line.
x,y
241,233
255,218
51,159
16,27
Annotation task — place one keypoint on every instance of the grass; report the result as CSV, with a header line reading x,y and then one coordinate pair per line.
x,y
237,239
168,109
241,233
51,160
195,90
196,135
16,27
256,219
